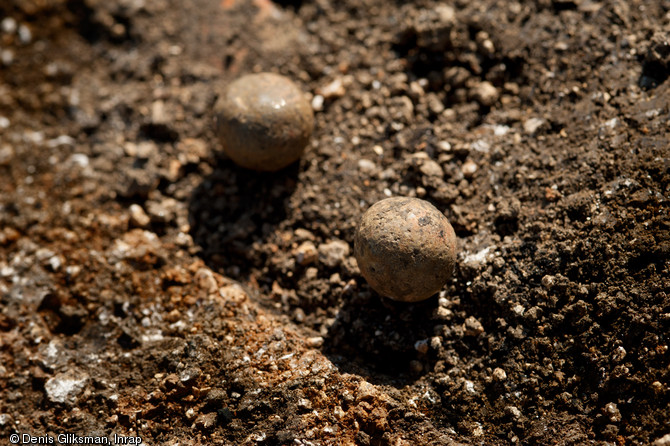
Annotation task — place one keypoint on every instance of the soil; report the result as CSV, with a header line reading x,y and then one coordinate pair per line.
x,y
151,288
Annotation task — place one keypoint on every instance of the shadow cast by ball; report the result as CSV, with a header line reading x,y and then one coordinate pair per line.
x,y
234,210
377,338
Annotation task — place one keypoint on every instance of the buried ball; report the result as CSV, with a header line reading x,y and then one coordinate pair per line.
x,y
264,121
405,248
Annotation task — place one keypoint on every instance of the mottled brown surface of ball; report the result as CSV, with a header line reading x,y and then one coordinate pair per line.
x,y
264,121
405,248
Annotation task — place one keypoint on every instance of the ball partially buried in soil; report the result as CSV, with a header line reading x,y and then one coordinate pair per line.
x,y
264,121
405,248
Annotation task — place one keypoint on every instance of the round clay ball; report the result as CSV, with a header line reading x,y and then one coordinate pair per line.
x,y
405,248
264,121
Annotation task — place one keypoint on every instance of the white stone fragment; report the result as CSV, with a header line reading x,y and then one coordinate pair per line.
x,y
365,165
25,35
531,125
479,257
138,217
8,25
62,140
64,388
79,158
7,57
317,102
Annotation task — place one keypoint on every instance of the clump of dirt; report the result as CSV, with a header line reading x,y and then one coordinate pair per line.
x,y
152,288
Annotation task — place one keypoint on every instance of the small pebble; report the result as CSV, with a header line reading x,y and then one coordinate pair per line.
x,y
8,25
431,168
531,125
478,430
138,217
142,150
405,248
499,375
612,412
317,102
163,210
333,253
6,57
315,342
657,387
62,140
206,421
306,253
415,367
485,93
443,313
55,263
303,234
366,165
421,346
469,168
444,146
387,174
619,354
66,387
264,121
334,89
6,419
473,327
192,150
366,392
304,404
206,280
548,281
435,105
338,412
513,412
189,374
25,36
311,273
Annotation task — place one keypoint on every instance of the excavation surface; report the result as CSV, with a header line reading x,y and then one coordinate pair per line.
x,y
151,288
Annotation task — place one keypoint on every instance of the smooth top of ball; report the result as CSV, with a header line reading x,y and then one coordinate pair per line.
x,y
405,248
264,121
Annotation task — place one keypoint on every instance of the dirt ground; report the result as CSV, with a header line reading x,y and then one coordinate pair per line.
x,y
150,288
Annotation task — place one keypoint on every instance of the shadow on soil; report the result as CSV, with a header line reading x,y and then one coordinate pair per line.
x,y
375,338
233,210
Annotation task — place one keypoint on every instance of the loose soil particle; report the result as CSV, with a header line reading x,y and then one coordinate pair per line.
x,y
180,295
